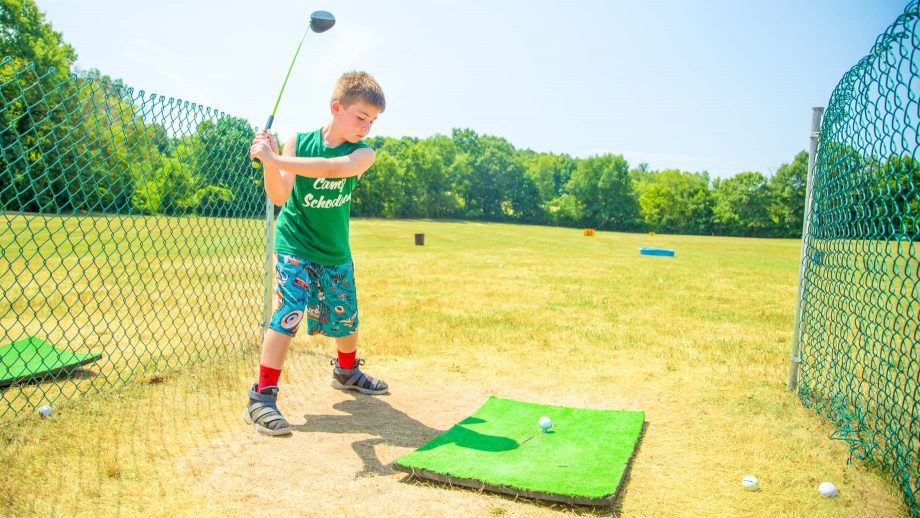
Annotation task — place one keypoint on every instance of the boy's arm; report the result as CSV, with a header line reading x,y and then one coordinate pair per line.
x,y
278,183
354,164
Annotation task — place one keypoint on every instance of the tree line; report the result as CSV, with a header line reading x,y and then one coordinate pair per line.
x,y
483,177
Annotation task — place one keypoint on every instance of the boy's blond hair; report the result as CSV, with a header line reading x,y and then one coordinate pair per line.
x,y
357,86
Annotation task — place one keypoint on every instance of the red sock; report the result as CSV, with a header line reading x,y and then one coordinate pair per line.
x,y
347,360
268,377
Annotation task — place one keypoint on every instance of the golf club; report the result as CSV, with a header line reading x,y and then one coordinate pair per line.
x,y
320,21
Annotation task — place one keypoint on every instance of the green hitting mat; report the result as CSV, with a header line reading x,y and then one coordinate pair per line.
x,y
581,460
33,358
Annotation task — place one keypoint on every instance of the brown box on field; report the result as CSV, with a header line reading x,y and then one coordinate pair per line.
x,y
419,239
589,232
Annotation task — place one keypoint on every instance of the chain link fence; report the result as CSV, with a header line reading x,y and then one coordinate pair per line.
x,y
133,235
860,305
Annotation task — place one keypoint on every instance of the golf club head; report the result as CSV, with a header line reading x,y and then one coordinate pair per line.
x,y
321,21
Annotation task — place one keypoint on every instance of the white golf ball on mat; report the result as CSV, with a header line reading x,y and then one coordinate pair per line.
x,y
750,483
546,424
44,411
827,489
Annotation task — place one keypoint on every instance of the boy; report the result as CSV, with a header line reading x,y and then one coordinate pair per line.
x,y
312,181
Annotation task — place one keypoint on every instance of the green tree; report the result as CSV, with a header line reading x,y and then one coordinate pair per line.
x,y
221,164
604,193
494,187
467,141
787,189
675,201
566,210
26,36
522,202
660,207
425,171
549,173
741,205
483,195
391,145
36,101
112,146
172,188
378,192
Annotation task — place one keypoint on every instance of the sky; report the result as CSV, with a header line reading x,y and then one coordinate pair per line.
x,y
722,86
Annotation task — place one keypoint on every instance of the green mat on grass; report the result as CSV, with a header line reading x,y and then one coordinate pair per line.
x,y
583,460
33,358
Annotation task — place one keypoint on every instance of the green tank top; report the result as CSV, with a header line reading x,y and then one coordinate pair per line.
x,y
313,223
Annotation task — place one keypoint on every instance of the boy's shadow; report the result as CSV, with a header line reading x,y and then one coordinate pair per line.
x,y
373,416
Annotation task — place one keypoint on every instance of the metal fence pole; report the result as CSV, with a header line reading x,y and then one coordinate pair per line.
x,y
795,359
267,281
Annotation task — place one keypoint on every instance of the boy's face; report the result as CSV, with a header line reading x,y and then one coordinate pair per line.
x,y
355,121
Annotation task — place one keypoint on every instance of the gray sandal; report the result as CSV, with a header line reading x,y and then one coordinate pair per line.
x,y
262,412
354,379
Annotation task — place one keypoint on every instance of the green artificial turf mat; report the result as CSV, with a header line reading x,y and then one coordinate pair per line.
x,y
582,460
33,359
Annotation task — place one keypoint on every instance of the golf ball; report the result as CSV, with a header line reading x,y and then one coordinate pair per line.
x,y
44,411
750,483
827,489
546,424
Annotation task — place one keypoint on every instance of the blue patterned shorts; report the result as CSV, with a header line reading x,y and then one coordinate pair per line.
x,y
326,293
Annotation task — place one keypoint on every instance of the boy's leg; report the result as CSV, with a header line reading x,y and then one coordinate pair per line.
x,y
336,314
274,351
262,410
291,294
347,347
352,378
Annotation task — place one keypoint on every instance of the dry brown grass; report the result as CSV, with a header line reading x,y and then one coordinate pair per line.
x,y
699,342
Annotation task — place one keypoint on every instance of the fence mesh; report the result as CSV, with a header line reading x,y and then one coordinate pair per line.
x,y
861,288
132,227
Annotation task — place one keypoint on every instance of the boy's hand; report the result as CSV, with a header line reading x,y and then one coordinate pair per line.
x,y
267,135
264,146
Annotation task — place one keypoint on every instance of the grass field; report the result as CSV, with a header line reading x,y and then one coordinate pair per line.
x,y
149,293
700,342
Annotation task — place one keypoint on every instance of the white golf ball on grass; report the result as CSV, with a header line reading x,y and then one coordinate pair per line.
x,y
827,489
546,424
750,483
44,411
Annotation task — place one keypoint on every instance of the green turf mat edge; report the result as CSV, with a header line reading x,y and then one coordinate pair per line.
x,y
75,360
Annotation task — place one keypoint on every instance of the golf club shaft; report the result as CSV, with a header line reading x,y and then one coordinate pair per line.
x,y
271,118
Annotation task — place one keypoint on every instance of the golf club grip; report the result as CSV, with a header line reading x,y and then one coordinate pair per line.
x,y
268,126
